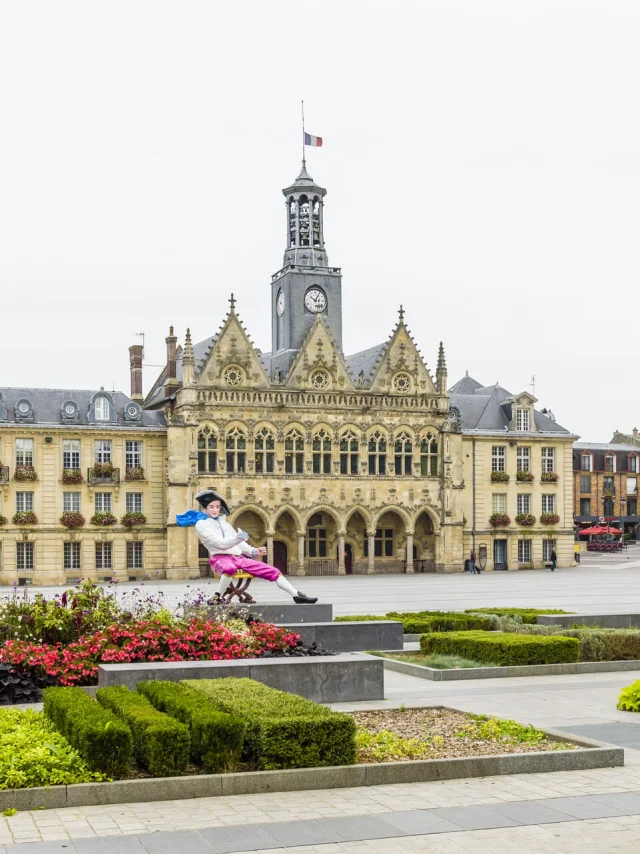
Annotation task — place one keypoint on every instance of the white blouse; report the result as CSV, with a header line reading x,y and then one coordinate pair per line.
x,y
220,538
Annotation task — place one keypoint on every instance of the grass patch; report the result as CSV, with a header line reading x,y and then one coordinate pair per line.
x,y
439,662
527,615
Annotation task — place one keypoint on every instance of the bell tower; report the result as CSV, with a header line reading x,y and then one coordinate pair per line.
x,y
306,285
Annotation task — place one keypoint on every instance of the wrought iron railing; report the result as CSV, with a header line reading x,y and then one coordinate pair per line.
x,y
321,566
112,476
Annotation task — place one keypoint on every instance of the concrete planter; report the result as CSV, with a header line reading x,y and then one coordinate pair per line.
x,y
340,777
350,637
436,675
605,621
325,679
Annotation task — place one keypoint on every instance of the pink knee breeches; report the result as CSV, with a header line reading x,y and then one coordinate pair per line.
x,y
230,564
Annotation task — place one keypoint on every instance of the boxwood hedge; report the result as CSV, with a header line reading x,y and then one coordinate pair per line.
x,y
283,730
502,648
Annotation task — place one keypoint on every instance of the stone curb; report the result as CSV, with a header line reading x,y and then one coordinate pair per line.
x,y
436,675
594,755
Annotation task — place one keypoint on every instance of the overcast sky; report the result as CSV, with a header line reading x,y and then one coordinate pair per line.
x,y
482,161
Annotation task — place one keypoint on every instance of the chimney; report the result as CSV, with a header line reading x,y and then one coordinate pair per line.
x,y
135,366
171,383
635,432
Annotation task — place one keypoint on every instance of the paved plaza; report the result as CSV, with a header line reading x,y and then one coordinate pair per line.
x,y
586,811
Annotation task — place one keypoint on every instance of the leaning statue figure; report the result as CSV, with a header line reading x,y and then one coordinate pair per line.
x,y
229,551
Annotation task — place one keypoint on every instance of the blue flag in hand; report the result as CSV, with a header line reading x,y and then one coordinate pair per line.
x,y
190,518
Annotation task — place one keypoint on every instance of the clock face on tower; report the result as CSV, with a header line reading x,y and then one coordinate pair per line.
x,y
280,303
315,300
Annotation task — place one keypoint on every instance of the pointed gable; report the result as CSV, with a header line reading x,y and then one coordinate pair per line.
x,y
319,365
400,368
231,361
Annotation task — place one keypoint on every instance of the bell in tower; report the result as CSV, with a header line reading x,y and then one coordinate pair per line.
x,y
305,201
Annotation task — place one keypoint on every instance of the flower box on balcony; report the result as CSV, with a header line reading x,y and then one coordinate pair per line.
x,y
25,517
134,473
3,520
103,473
526,520
499,520
72,476
499,477
71,519
103,469
103,519
549,477
524,477
549,518
24,473
131,519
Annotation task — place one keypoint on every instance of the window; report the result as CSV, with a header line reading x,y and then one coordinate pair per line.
x,y
523,459
377,454
548,504
103,556
133,502
133,454
102,450
383,543
317,542
585,483
547,547
429,456
608,484
207,450
236,448
24,556
72,556
499,502
349,453
101,409
265,450
633,463
71,453
103,502
134,555
294,452
608,507
585,507
498,455
610,463
524,503
24,452
403,454
71,502
632,485
321,452
632,507
524,551
548,459
24,502
585,462
522,419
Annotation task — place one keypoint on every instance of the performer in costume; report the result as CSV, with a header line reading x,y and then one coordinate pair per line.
x,y
228,549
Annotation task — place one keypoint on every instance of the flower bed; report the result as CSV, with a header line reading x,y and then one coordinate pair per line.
x,y
25,517
526,520
72,520
72,476
131,519
103,519
25,473
499,520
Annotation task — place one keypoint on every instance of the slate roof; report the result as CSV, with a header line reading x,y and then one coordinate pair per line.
x,y
605,446
364,361
47,407
487,408
200,351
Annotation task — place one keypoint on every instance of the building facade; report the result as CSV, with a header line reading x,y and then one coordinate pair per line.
x,y
606,484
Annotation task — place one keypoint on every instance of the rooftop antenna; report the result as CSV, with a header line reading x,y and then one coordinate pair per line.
x,y
533,384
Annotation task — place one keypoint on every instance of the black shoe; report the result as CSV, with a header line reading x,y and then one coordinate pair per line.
x,y
301,599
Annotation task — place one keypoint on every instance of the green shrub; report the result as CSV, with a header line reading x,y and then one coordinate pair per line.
x,y
629,699
33,753
446,623
103,741
160,743
596,644
356,618
283,730
216,738
502,648
529,615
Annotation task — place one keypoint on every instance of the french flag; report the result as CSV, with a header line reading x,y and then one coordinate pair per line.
x,y
312,140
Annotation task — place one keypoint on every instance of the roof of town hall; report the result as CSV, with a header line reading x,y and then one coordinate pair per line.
x,y
488,408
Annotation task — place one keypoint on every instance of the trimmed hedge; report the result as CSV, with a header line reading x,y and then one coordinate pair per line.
x,y
502,648
104,742
216,737
446,623
283,730
528,615
596,644
160,743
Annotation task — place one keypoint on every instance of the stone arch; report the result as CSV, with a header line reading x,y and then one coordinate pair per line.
x,y
259,425
293,512
251,508
357,523
366,515
431,513
378,428
389,538
252,520
323,508
425,538
403,428
393,508
286,531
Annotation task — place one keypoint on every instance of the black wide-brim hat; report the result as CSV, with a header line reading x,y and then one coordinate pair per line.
x,y
206,496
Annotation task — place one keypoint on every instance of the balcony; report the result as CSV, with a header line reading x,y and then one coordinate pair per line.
x,y
4,474
103,474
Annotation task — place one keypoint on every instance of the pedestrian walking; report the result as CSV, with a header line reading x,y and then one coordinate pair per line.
x,y
473,569
554,560
576,552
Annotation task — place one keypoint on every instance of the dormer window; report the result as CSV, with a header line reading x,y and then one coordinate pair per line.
x,y
585,462
522,420
610,462
102,409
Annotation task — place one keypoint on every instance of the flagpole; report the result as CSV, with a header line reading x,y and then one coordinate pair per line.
x,y
303,158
